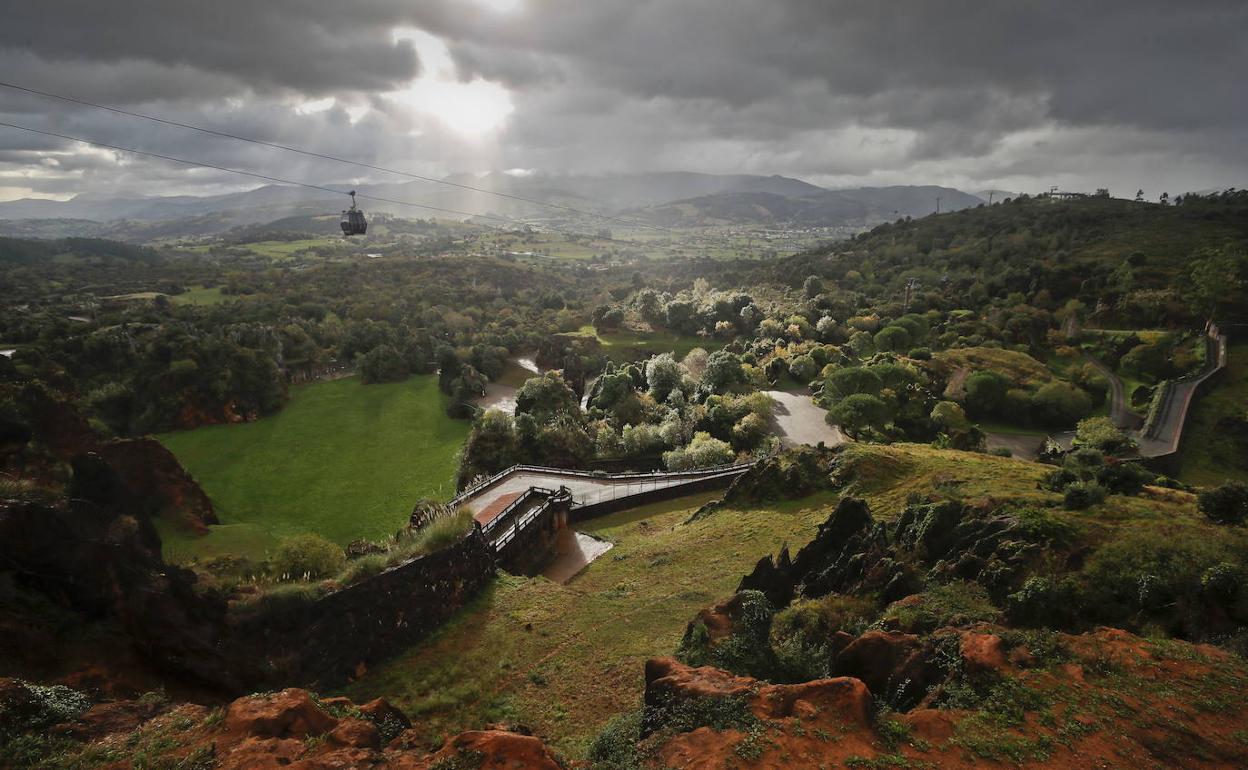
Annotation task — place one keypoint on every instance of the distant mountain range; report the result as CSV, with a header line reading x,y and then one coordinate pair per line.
x,y
668,198
858,207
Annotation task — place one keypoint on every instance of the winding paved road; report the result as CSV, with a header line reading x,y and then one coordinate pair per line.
x,y
1119,412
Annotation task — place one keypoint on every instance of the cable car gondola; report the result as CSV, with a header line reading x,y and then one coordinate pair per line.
x,y
353,221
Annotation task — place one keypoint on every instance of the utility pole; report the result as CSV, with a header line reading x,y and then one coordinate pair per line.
x,y
990,194
937,204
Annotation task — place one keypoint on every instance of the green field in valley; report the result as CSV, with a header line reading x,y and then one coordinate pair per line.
x,y
629,345
343,459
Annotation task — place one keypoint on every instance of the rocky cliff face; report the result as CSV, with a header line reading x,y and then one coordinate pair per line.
x,y
77,568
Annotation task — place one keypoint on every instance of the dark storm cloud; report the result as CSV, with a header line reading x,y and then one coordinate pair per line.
x,y
838,91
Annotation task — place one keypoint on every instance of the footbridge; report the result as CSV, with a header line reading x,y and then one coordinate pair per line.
x,y
522,509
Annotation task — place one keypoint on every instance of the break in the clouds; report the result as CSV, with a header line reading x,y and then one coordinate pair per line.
x,y
1009,95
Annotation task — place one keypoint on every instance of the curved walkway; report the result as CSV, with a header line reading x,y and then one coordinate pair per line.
x,y
1119,412
798,420
587,488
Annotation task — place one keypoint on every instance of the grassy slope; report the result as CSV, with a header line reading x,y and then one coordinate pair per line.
x,y
343,459
1208,456
581,660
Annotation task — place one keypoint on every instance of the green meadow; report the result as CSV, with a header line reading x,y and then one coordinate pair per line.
x,y
343,459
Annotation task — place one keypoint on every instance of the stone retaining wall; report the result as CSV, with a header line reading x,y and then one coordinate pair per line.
x,y
329,641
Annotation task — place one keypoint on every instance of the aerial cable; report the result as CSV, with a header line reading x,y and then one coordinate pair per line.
x,y
333,158
263,177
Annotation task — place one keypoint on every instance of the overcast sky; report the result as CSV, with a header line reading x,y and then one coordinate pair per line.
x,y
995,93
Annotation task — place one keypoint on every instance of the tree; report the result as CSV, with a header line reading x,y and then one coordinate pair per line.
x,y
382,364
812,286
1215,283
749,431
1060,404
704,451
949,416
858,412
852,380
491,446
1101,433
663,375
892,338
1227,504
803,368
723,371
985,393
547,396
307,557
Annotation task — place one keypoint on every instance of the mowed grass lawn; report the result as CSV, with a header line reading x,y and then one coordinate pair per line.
x,y
342,459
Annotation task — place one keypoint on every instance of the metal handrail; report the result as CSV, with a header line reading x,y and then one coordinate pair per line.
x,y
547,470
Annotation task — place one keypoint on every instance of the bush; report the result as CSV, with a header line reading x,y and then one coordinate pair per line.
x,y
1101,433
1227,504
1124,478
985,393
1168,579
1042,601
1060,404
703,452
953,604
1083,494
382,364
443,532
615,748
307,557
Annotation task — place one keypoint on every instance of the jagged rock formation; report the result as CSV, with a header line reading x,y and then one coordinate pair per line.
x,y
852,553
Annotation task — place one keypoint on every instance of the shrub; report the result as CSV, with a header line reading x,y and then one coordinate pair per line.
x,y
1124,478
1227,504
1042,601
953,604
985,393
1101,433
307,557
1165,578
1083,494
703,452
443,532
615,747
1060,404
382,364
362,568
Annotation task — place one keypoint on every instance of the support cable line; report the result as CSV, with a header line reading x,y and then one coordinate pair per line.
x,y
264,177
334,158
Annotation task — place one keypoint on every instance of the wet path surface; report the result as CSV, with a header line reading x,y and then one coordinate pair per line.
x,y
797,420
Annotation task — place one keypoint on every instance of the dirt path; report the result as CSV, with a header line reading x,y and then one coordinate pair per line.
x,y
797,420
1021,447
